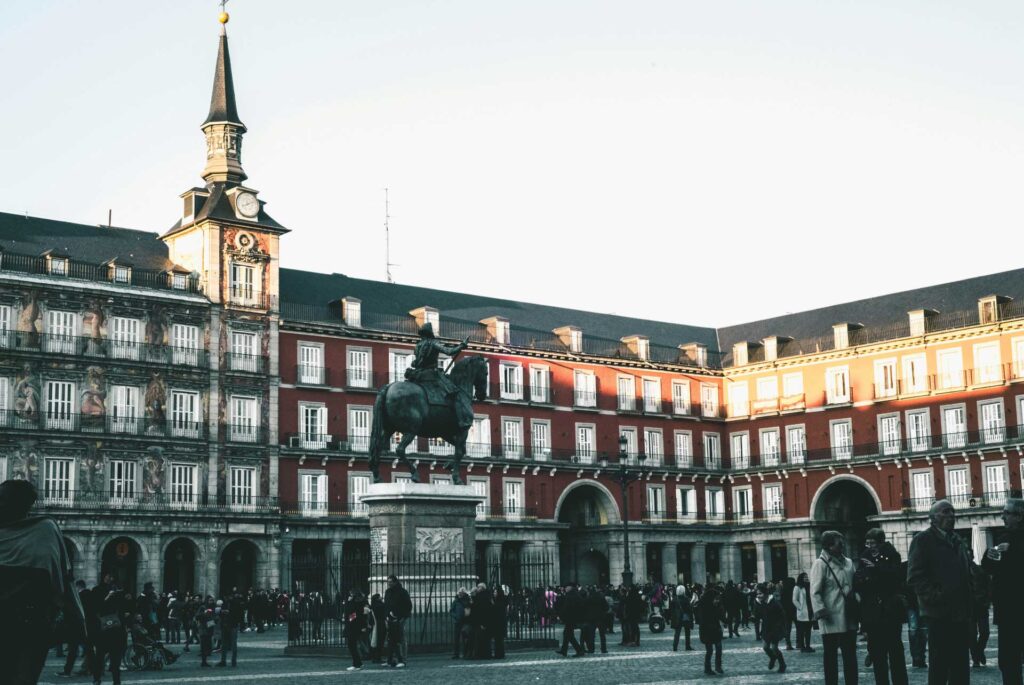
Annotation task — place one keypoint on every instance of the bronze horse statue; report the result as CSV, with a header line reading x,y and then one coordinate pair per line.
x,y
402,407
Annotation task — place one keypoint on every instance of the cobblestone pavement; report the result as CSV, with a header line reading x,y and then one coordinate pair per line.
x,y
261,660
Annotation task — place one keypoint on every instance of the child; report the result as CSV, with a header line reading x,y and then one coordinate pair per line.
x,y
773,627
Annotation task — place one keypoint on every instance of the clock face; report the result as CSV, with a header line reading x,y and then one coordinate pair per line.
x,y
247,204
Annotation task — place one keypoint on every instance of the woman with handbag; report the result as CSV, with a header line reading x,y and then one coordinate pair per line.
x,y
110,638
835,608
802,612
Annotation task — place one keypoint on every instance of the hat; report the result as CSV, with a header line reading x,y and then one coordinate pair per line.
x,y
426,330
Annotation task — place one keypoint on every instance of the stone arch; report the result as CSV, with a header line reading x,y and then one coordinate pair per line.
x,y
74,550
181,558
845,503
124,568
102,543
240,562
816,500
609,506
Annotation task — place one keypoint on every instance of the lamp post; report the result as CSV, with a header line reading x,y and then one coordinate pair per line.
x,y
625,477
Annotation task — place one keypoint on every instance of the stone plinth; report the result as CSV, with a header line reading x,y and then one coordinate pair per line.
x,y
413,521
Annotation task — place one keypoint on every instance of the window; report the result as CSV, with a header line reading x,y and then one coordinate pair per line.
x,y
352,312
185,344
708,399
59,406
540,440
5,401
712,453
359,419
540,384
5,326
773,509
511,381
654,446
792,384
739,399
885,378
767,388
358,485
501,332
439,447
179,281
951,368
478,441
61,329
683,449
680,397
842,439
311,364
918,430
313,494
655,502
586,389
770,447
122,482
358,367
585,443
958,486
954,426
59,266
626,393
59,482
632,444
184,486
740,450
686,503
915,374
242,488
122,274
576,341
515,499
481,488
922,490
243,352
244,289
714,505
185,414
890,435
837,385
244,421
398,362
796,444
987,367
992,424
1018,357
743,504
997,484
124,415
125,338
512,438
652,395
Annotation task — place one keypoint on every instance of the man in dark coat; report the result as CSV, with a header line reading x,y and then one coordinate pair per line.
x,y
1005,563
459,612
570,609
398,606
939,572
879,582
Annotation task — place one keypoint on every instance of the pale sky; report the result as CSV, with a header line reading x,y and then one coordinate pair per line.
x,y
703,162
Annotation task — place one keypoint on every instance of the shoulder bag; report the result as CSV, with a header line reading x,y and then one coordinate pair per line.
x,y
851,605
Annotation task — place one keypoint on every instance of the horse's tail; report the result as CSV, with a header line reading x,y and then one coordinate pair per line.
x,y
377,436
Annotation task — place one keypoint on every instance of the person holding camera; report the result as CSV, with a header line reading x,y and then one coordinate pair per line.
x,y
879,582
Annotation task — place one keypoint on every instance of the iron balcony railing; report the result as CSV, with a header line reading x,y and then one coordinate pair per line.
x,y
246,433
984,500
16,419
666,516
508,513
243,296
323,508
105,348
364,379
245,363
310,374
76,270
134,501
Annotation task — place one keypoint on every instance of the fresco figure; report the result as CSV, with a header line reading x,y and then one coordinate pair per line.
x,y
26,395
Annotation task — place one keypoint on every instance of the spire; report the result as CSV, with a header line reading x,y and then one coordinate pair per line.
x,y
222,127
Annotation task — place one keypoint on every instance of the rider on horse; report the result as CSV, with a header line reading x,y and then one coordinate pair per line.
x,y
423,370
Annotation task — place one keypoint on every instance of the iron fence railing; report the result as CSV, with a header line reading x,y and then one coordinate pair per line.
x,y
971,500
23,419
133,500
74,269
98,347
245,363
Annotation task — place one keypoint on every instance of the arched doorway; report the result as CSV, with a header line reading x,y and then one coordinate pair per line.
x,y
238,567
120,559
586,504
180,566
845,504
592,568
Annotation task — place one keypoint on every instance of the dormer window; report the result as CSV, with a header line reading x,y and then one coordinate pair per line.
x,y
841,336
501,332
771,348
58,266
425,315
352,311
639,345
919,321
739,354
988,308
179,281
122,274
571,337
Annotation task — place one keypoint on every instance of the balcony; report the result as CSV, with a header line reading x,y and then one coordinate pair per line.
x,y
584,399
308,374
133,502
320,508
246,433
312,441
766,406
243,296
11,419
960,441
508,513
100,348
245,363
757,516
363,379
793,402
831,399
102,273
508,392
990,499
712,411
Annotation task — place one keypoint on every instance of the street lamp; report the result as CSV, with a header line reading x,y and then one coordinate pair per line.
x,y
625,477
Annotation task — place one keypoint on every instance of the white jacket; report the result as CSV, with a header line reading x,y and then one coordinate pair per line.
x,y
827,594
803,606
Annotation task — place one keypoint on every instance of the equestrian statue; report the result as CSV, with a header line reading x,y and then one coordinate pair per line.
x,y
429,403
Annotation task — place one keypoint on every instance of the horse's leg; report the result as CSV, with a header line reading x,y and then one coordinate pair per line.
x,y
460,453
406,440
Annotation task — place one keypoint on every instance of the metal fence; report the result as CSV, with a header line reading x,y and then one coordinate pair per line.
x,y
320,589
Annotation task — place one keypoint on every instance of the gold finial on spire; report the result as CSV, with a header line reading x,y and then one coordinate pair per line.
x,y
224,16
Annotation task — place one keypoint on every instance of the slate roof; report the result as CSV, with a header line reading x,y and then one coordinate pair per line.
x,y
82,242
222,101
882,311
218,206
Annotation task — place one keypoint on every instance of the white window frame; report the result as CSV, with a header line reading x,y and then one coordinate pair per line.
x,y
242,484
793,384
995,496
655,502
886,378
6,314
59,481
954,436
313,496
915,374
125,337
185,344
739,399
680,397
988,366
739,449
584,388
183,493
958,484
244,351
481,487
360,423
540,384
5,402
356,375
686,503
651,389
796,452
540,441
709,399
625,393
1017,347
682,441
311,369
890,434
714,504
398,361
61,400
122,482
837,385
774,505
125,409
916,441
992,425
767,388
61,332
185,424
313,415
358,485
586,443
245,418
512,437
739,494
244,283
511,375
712,445
840,433
654,446
478,441
513,498
949,368
922,499
770,443
632,442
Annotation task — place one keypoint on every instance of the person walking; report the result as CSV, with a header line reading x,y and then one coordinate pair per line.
x,y
377,627
499,621
459,611
831,598
710,613
1005,562
110,629
802,612
596,611
229,619
206,624
570,608
981,584
917,628
880,586
682,617
354,614
773,624
398,606
632,611
939,573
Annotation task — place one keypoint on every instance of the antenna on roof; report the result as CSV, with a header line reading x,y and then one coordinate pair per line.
x,y
387,238
110,218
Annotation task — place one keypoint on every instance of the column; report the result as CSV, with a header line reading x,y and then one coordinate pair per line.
x,y
155,565
764,560
638,560
210,580
669,564
730,562
616,562
551,550
698,563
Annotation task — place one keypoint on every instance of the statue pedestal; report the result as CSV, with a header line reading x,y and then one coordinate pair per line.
x,y
426,536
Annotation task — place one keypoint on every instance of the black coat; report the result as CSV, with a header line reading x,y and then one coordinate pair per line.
x,y
710,613
880,582
570,609
397,602
1007,573
939,573
773,615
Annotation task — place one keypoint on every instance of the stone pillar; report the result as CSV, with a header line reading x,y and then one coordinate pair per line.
x,y
408,519
669,563
89,565
763,554
213,405
616,562
638,560
731,568
210,580
551,551
698,563
154,572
